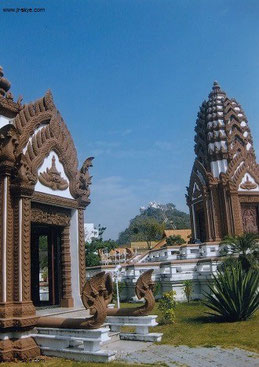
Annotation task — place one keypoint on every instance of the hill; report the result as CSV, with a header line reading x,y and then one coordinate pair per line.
x,y
165,214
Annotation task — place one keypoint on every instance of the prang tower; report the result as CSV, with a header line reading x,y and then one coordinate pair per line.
x,y
223,193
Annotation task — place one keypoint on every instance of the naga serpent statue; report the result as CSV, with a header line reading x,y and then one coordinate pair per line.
x,y
144,289
96,295
94,298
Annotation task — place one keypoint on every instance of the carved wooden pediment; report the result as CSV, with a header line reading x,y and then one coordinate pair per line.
x,y
248,185
38,129
52,178
196,192
46,214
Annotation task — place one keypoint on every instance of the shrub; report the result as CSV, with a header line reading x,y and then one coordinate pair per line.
x,y
244,247
157,290
174,240
121,287
234,294
167,306
187,289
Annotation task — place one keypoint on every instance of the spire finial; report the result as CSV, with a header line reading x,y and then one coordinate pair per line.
x,y
215,85
5,85
216,89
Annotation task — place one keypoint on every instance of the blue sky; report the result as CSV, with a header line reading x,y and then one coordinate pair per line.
x,y
128,77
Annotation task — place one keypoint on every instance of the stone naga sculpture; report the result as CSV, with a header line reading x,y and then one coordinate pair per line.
x,y
94,298
144,289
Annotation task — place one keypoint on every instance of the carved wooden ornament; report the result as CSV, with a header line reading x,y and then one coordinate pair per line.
x,y
52,178
248,185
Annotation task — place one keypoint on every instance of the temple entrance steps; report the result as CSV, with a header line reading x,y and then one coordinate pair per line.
x,y
78,344
114,337
141,324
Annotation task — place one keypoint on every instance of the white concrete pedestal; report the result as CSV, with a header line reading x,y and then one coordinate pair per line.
x,y
141,325
77,344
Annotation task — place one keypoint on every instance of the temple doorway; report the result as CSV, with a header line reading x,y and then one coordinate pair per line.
x,y
45,265
200,221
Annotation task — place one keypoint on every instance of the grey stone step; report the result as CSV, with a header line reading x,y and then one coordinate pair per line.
x,y
114,335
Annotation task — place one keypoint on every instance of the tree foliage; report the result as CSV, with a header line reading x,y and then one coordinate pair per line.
x,y
244,247
147,229
234,294
187,289
92,249
174,240
166,215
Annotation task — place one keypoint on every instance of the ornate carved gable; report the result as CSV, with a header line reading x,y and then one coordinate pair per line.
x,y
248,183
198,182
37,130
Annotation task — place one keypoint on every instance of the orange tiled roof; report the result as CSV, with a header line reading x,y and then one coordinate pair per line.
x,y
184,233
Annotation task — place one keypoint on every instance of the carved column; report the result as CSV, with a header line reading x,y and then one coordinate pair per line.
x,y
216,213
17,312
6,310
207,217
236,213
67,299
81,238
192,224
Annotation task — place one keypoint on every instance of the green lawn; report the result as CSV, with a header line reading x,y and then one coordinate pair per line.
x,y
57,362
194,328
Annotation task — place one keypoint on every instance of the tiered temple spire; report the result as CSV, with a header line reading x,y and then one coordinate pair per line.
x,y
224,183
222,132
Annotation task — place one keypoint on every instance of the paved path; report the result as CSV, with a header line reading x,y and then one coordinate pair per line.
x,y
62,312
183,356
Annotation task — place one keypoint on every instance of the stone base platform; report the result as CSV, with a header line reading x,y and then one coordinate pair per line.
x,y
150,337
77,344
141,325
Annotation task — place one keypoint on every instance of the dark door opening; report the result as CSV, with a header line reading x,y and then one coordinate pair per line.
x,y
201,231
45,265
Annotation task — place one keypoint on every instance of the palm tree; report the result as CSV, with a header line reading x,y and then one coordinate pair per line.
x,y
244,247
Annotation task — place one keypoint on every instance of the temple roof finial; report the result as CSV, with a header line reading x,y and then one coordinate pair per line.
x,y
216,89
5,85
215,85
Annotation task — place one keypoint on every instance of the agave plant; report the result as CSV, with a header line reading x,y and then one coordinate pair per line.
x,y
233,294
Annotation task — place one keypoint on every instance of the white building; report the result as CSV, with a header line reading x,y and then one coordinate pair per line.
x,y
172,265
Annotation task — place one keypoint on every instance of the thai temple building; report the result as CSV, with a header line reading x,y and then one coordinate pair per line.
x,y
223,197
44,193
43,197
223,194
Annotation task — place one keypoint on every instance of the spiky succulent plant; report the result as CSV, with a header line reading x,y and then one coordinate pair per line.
x,y
233,294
